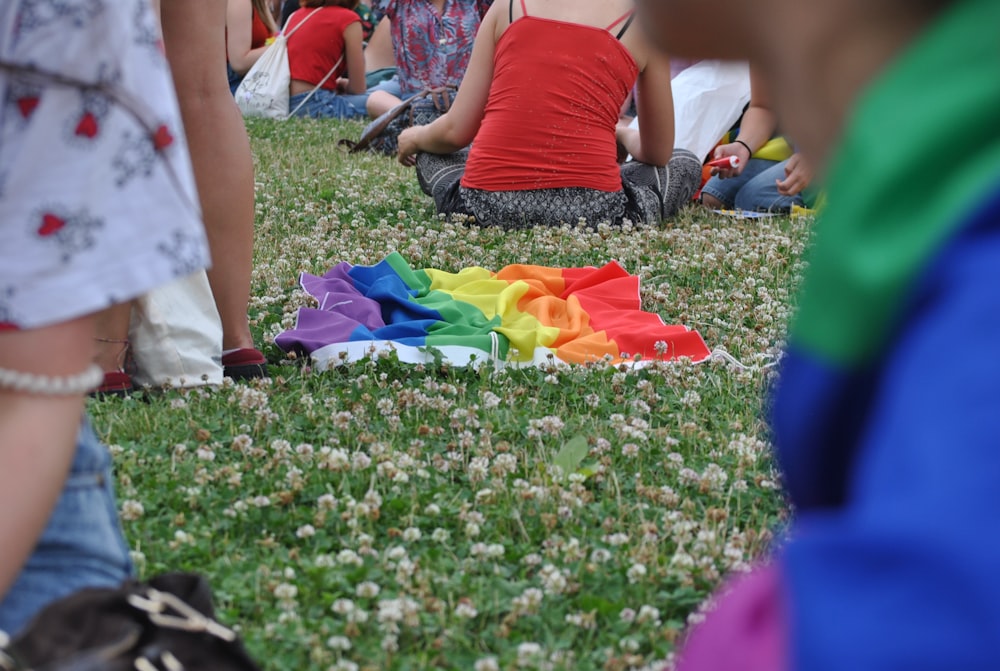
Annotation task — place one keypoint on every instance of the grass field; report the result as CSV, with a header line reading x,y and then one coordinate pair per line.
x,y
385,516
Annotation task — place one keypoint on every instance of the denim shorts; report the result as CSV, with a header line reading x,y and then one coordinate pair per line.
x,y
82,546
754,189
326,104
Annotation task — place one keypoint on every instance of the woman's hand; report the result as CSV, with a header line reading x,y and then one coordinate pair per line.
x,y
409,145
737,149
798,175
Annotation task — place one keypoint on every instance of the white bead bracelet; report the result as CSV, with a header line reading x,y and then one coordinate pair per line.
x,y
51,385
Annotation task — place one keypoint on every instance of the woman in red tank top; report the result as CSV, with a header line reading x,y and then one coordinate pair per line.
x,y
249,27
540,105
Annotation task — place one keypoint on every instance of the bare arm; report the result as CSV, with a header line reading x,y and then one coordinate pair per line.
x,y
37,435
458,126
756,128
654,143
239,36
378,53
354,55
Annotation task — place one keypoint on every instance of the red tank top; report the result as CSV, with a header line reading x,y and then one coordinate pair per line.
x,y
314,49
553,106
259,31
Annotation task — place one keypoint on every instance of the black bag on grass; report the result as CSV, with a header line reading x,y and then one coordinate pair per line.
x,y
165,624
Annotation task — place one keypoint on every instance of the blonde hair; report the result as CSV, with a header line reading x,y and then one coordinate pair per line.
x,y
263,10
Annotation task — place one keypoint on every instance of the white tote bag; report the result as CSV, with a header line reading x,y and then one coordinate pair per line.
x,y
709,97
264,90
176,335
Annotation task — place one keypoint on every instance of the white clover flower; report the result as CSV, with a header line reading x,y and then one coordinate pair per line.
x,y
629,645
261,501
367,590
411,534
305,531
528,654
341,643
465,610
348,556
343,606
205,453
395,553
432,509
324,561
440,535
286,591
472,530
360,461
490,401
636,572
343,665
648,614
131,510
326,502
627,615
553,580
616,539
630,450
486,664
600,556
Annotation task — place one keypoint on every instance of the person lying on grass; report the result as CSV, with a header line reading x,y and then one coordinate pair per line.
x,y
541,99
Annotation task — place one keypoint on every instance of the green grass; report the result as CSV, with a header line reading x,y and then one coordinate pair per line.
x,y
386,516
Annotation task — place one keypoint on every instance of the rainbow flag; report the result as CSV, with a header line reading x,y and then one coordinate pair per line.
x,y
522,314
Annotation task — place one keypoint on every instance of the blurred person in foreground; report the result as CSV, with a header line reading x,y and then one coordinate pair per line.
x,y
886,415
97,206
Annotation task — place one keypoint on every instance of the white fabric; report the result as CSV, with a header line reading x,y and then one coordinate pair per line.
x,y
709,97
97,197
176,335
264,90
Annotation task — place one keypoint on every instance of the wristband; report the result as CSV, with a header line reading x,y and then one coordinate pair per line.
x,y
749,150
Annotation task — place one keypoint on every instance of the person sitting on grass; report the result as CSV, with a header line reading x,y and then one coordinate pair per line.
x,y
884,416
547,153
432,44
250,27
757,184
328,45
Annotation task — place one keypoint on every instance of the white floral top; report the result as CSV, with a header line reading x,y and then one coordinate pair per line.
x,y
97,198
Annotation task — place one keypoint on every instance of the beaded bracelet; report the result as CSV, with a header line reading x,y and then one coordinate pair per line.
x,y
749,150
51,385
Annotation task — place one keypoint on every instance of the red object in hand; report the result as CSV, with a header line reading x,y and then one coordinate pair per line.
x,y
725,162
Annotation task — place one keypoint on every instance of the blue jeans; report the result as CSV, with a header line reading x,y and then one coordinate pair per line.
x,y
754,189
234,79
325,104
82,546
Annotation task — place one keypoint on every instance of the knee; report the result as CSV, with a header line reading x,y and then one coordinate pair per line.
x,y
708,200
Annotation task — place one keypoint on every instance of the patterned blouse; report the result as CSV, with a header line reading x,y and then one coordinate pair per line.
x,y
432,49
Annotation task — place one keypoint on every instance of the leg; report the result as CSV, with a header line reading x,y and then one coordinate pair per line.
x,y
36,434
656,193
82,545
723,194
112,347
384,97
220,153
761,192
439,175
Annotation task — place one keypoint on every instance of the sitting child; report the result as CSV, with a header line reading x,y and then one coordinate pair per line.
x,y
757,183
327,43
554,76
